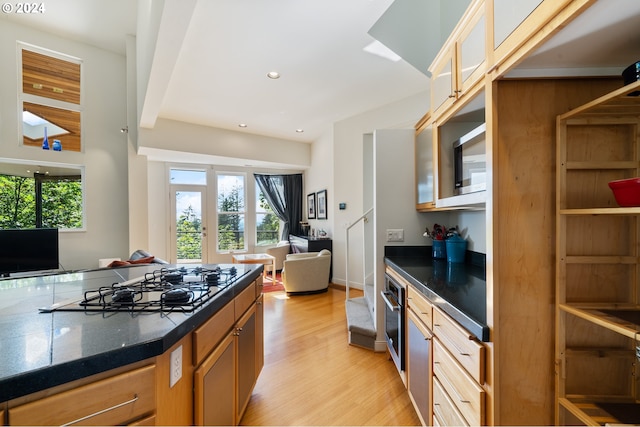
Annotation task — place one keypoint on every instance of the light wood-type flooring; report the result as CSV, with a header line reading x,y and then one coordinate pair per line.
x,y
312,376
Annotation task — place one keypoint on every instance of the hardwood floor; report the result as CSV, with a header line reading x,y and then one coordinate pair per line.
x,y
312,376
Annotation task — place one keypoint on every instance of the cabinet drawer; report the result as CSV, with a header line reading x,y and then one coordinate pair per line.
x,y
420,306
118,400
445,412
462,345
211,332
244,300
464,392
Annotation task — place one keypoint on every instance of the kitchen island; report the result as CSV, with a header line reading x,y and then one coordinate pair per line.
x,y
44,351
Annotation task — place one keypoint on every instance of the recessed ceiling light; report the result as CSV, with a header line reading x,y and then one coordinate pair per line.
x,y
299,130
273,75
242,125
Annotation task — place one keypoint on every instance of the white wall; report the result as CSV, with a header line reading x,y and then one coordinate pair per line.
x,y
348,167
104,146
320,177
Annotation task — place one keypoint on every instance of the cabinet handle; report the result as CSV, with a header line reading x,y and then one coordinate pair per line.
x,y
453,344
445,379
128,402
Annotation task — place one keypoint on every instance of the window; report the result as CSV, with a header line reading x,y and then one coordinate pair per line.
x,y
49,197
267,223
231,212
50,102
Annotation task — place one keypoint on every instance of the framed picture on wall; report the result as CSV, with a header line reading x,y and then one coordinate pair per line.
x,y
322,204
311,206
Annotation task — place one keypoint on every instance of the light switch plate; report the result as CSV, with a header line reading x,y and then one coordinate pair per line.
x,y
395,235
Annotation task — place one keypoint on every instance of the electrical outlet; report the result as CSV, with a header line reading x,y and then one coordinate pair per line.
x,y
395,235
176,366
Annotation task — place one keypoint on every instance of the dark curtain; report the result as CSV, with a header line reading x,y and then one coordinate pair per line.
x,y
284,195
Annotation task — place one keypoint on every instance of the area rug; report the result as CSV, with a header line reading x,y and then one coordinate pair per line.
x,y
269,285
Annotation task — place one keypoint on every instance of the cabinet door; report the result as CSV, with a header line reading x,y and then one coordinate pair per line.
x,y
246,350
471,53
259,335
419,367
508,15
424,167
443,84
214,385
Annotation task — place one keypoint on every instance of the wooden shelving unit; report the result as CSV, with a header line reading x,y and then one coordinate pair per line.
x,y
598,264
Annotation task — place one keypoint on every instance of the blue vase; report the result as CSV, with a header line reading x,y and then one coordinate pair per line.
x,y
57,146
439,249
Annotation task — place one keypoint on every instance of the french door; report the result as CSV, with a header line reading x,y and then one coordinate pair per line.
x,y
188,224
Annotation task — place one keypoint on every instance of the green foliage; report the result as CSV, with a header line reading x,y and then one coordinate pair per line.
x,y
231,219
61,203
189,236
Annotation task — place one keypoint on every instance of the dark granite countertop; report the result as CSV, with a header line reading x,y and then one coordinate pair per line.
x,y
42,350
457,289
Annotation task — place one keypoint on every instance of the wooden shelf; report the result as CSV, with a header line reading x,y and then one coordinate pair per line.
x,y
599,411
601,211
597,278
608,315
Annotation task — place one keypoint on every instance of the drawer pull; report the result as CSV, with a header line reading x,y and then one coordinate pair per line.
x,y
453,344
457,395
119,405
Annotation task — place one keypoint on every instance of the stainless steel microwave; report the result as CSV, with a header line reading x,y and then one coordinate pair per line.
x,y
470,161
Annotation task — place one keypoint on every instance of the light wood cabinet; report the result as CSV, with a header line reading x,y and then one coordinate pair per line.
x,y
214,386
445,369
117,400
425,172
225,378
419,368
517,28
461,63
597,263
467,395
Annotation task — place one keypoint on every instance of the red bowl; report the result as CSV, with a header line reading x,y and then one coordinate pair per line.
x,y
626,191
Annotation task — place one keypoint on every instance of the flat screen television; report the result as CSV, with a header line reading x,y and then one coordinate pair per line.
x,y
28,249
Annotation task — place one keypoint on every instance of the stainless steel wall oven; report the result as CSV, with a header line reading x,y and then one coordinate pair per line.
x,y
394,298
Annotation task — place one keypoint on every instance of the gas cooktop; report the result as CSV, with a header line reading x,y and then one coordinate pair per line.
x,y
164,290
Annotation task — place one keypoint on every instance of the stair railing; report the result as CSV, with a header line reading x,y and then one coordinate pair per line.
x,y
362,218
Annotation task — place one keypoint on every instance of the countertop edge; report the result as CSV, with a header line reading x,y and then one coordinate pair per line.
x,y
57,374
478,329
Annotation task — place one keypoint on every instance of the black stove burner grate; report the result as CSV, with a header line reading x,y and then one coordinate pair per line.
x,y
179,289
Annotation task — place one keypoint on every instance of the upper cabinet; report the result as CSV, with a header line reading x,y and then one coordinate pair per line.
x,y
425,198
508,15
462,61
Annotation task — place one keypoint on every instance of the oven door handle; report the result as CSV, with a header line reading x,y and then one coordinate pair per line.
x,y
385,296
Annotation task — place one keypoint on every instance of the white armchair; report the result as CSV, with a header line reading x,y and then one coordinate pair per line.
x,y
280,252
306,273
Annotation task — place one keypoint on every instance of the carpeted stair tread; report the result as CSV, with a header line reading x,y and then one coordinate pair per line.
x,y
359,317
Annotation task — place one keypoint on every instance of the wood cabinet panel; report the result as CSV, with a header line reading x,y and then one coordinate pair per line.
x,y
214,385
121,399
244,300
462,345
207,336
420,306
445,412
419,371
466,394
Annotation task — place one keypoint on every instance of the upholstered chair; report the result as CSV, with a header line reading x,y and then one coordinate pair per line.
x,y
280,252
306,273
